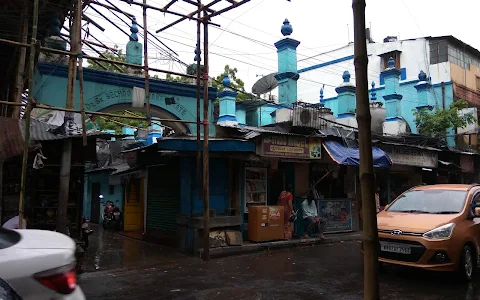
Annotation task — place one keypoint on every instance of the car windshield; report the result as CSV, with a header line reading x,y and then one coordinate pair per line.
x,y
8,238
430,202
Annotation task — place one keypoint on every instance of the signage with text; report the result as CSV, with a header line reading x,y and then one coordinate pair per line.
x,y
337,214
290,147
411,156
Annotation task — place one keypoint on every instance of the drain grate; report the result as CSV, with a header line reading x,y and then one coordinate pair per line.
x,y
230,294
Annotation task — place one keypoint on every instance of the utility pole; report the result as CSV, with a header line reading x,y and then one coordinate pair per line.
x,y
199,97
145,60
206,181
66,160
28,110
364,120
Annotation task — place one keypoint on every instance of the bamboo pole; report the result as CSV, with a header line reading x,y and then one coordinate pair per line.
x,y
45,49
123,124
145,61
370,230
21,62
206,181
98,113
28,110
80,79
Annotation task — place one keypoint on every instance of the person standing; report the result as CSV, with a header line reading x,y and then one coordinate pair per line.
x,y
311,222
286,200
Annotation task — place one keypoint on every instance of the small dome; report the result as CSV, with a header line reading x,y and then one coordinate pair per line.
x,y
346,76
422,76
226,81
287,29
391,63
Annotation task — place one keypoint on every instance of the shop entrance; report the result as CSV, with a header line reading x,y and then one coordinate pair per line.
x,y
134,196
277,185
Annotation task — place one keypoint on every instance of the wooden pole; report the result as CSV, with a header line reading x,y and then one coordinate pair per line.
x,y
206,181
199,147
66,160
145,61
21,62
364,120
80,80
28,110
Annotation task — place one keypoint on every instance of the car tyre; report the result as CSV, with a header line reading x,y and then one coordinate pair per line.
x,y
467,263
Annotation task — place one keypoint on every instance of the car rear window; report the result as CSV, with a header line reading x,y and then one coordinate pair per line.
x,y
430,202
8,238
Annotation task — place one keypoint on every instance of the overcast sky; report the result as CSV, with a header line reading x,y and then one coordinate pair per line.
x,y
247,34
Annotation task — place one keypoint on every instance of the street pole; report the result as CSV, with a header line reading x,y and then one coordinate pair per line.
x,y
28,110
364,120
145,60
206,190
21,62
199,152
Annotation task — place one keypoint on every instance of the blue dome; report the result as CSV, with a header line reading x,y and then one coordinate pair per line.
x,y
226,81
134,30
346,76
287,29
422,76
391,63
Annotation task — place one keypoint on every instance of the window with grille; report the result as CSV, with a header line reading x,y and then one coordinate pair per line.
x,y
438,51
386,56
478,83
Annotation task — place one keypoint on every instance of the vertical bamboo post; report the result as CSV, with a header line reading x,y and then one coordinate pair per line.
x,y
28,110
66,160
21,62
206,181
370,230
80,82
145,59
199,153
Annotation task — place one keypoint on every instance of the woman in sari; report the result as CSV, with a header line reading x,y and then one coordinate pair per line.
x,y
285,199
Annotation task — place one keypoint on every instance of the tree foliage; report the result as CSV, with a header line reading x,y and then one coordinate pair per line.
x,y
236,83
436,123
110,67
105,124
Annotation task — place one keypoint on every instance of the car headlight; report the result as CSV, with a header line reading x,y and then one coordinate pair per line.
x,y
442,232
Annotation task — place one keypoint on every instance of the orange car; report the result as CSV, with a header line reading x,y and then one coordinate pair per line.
x,y
433,227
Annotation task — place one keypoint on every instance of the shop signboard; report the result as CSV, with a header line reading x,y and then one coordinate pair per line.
x,y
410,156
337,214
283,146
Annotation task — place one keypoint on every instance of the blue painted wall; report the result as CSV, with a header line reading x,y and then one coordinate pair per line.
x,y
219,193
409,102
105,89
103,179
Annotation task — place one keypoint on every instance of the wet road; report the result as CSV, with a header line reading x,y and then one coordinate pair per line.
x,y
315,272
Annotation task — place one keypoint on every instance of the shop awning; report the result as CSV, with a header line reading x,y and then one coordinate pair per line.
x,y
351,156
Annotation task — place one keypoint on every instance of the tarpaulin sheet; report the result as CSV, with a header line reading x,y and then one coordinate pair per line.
x,y
351,156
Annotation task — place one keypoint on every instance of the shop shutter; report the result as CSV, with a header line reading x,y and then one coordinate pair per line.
x,y
163,198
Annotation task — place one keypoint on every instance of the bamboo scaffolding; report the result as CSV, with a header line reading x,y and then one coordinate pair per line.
x,y
98,113
28,110
206,179
46,49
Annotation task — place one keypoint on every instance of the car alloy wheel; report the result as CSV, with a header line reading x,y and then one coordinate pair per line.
x,y
467,263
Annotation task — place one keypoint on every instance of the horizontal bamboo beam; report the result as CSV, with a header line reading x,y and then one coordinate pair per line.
x,y
237,4
190,16
98,113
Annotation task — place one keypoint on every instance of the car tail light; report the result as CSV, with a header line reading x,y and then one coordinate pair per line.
x,y
63,280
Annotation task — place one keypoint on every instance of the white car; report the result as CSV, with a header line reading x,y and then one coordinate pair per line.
x,y
39,264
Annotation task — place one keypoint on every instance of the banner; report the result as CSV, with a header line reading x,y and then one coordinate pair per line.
x,y
283,146
337,213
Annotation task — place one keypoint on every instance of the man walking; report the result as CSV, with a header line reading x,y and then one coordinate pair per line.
x,y
311,222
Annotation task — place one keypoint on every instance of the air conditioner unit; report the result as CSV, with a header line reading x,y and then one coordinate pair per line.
x,y
306,117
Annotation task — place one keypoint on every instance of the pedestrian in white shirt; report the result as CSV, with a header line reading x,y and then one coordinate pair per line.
x,y
311,222
14,223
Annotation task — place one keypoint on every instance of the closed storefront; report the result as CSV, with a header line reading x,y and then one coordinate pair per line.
x,y
163,200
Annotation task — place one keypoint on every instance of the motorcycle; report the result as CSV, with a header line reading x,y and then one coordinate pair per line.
x,y
111,216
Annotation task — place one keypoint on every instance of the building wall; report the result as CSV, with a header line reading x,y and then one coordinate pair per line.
x,y
103,178
218,184
466,77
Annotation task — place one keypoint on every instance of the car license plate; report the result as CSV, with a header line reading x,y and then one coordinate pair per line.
x,y
116,213
395,248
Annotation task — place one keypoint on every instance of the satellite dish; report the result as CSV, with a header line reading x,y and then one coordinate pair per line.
x,y
265,84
